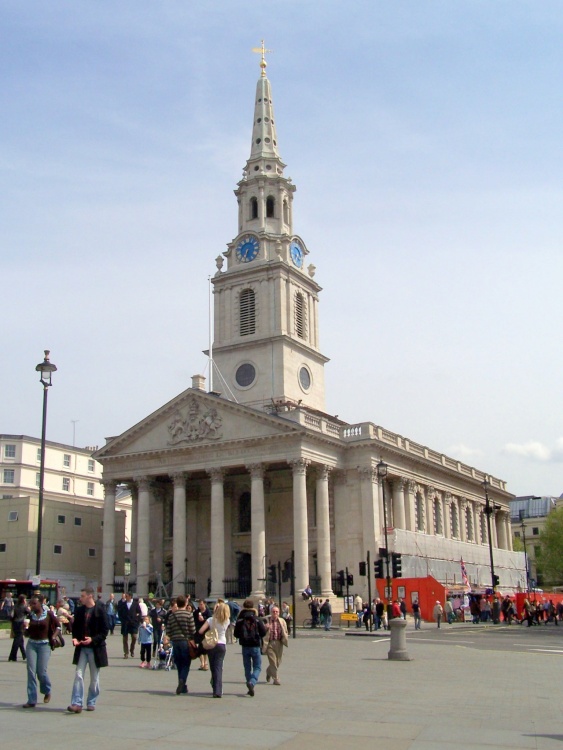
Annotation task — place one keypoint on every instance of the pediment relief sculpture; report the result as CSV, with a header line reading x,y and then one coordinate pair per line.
x,y
197,425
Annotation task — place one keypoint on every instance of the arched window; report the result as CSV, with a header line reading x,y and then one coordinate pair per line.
x,y
300,316
270,204
244,513
247,312
253,208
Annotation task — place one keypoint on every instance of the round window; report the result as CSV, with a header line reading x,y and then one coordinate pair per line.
x,y
305,378
245,375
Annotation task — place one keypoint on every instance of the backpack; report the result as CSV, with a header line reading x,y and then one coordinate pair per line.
x,y
249,629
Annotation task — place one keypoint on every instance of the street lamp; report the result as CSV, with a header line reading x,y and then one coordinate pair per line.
x,y
522,513
489,510
382,474
46,369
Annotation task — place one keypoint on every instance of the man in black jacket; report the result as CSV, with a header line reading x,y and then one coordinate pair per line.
x,y
250,630
89,632
130,615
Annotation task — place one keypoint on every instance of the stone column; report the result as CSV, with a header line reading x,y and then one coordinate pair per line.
x,y
300,523
191,534
179,534
508,531
257,530
108,538
371,522
446,503
409,505
157,528
501,529
323,531
143,536
134,517
398,484
217,533
341,518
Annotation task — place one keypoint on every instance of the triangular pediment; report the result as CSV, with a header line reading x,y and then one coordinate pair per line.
x,y
195,419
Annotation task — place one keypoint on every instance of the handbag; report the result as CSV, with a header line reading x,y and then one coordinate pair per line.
x,y
56,639
193,650
210,639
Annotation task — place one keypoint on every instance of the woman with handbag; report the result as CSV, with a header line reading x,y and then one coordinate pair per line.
x,y
42,624
180,629
214,633
202,613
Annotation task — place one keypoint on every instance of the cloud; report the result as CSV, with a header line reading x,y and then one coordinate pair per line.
x,y
535,451
463,452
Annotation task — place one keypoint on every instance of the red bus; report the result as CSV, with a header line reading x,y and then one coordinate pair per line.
x,y
49,589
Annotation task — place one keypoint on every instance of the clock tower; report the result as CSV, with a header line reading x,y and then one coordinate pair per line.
x,y
266,329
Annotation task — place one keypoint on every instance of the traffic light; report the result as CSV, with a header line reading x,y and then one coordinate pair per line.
x,y
341,579
286,572
362,569
378,568
496,580
273,573
350,579
396,566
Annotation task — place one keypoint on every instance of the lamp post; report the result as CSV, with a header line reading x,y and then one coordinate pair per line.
x,y
46,369
489,510
523,527
382,474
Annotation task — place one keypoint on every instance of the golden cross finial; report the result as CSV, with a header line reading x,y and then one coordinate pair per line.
x,y
262,51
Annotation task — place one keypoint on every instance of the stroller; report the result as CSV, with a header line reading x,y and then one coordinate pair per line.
x,y
165,654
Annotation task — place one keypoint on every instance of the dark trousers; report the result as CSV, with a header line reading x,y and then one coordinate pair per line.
x,y
216,659
156,636
181,660
146,652
17,644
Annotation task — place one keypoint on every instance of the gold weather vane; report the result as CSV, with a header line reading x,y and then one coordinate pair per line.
x,y
263,51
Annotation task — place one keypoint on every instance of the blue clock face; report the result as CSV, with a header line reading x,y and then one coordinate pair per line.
x,y
247,249
296,254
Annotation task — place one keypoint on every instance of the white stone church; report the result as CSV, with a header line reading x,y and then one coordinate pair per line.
x,y
228,482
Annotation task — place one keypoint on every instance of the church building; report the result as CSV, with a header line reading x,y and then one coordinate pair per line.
x,y
229,480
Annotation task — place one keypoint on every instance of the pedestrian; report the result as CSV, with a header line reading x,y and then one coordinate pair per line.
x,y
111,611
219,621
145,641
314,607
89,633
41,626
396,613
202,613
403,606
326,614
21,611
234,610
180,628
416,614
7,607
129,613
438,613
275,641
250,630
157,615
449,611
379,612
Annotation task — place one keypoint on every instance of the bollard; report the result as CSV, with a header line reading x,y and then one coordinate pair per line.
x,y
398,649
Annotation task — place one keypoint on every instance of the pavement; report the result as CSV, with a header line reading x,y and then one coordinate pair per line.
x,y
466,687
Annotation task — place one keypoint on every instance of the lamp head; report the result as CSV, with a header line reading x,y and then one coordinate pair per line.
x,y
46,368
382,469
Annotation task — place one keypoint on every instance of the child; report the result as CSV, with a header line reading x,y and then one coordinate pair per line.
x,y
145,639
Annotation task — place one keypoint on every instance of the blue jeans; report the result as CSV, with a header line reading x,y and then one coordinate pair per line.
x,y
38,655
216,659
328,622
86,658
181,660
252,660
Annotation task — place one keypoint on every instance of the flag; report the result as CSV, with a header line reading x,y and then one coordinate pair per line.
x,y
464,577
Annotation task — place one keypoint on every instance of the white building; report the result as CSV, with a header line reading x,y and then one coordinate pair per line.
x,y
227,483
71,550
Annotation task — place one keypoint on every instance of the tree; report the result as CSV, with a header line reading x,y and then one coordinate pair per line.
x,y
517,544
550,558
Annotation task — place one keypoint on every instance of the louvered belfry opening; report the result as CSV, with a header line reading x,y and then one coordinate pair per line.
x,y
300,316
247,312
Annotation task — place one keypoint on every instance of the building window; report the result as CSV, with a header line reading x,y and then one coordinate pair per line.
x,y
300,316
438,527
66,484
9,475
455,521
253,208
247,312
535,531
61,519
37,479
484,535
469,524
517,534
77,521
285,212
91,464
39,455
419,512
244,513
9,451
2,546
91,552
7,497
245,375
57,549
13,515
66,460
270,204
90,489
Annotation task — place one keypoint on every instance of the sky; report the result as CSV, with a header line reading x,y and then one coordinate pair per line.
x,y
425,142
